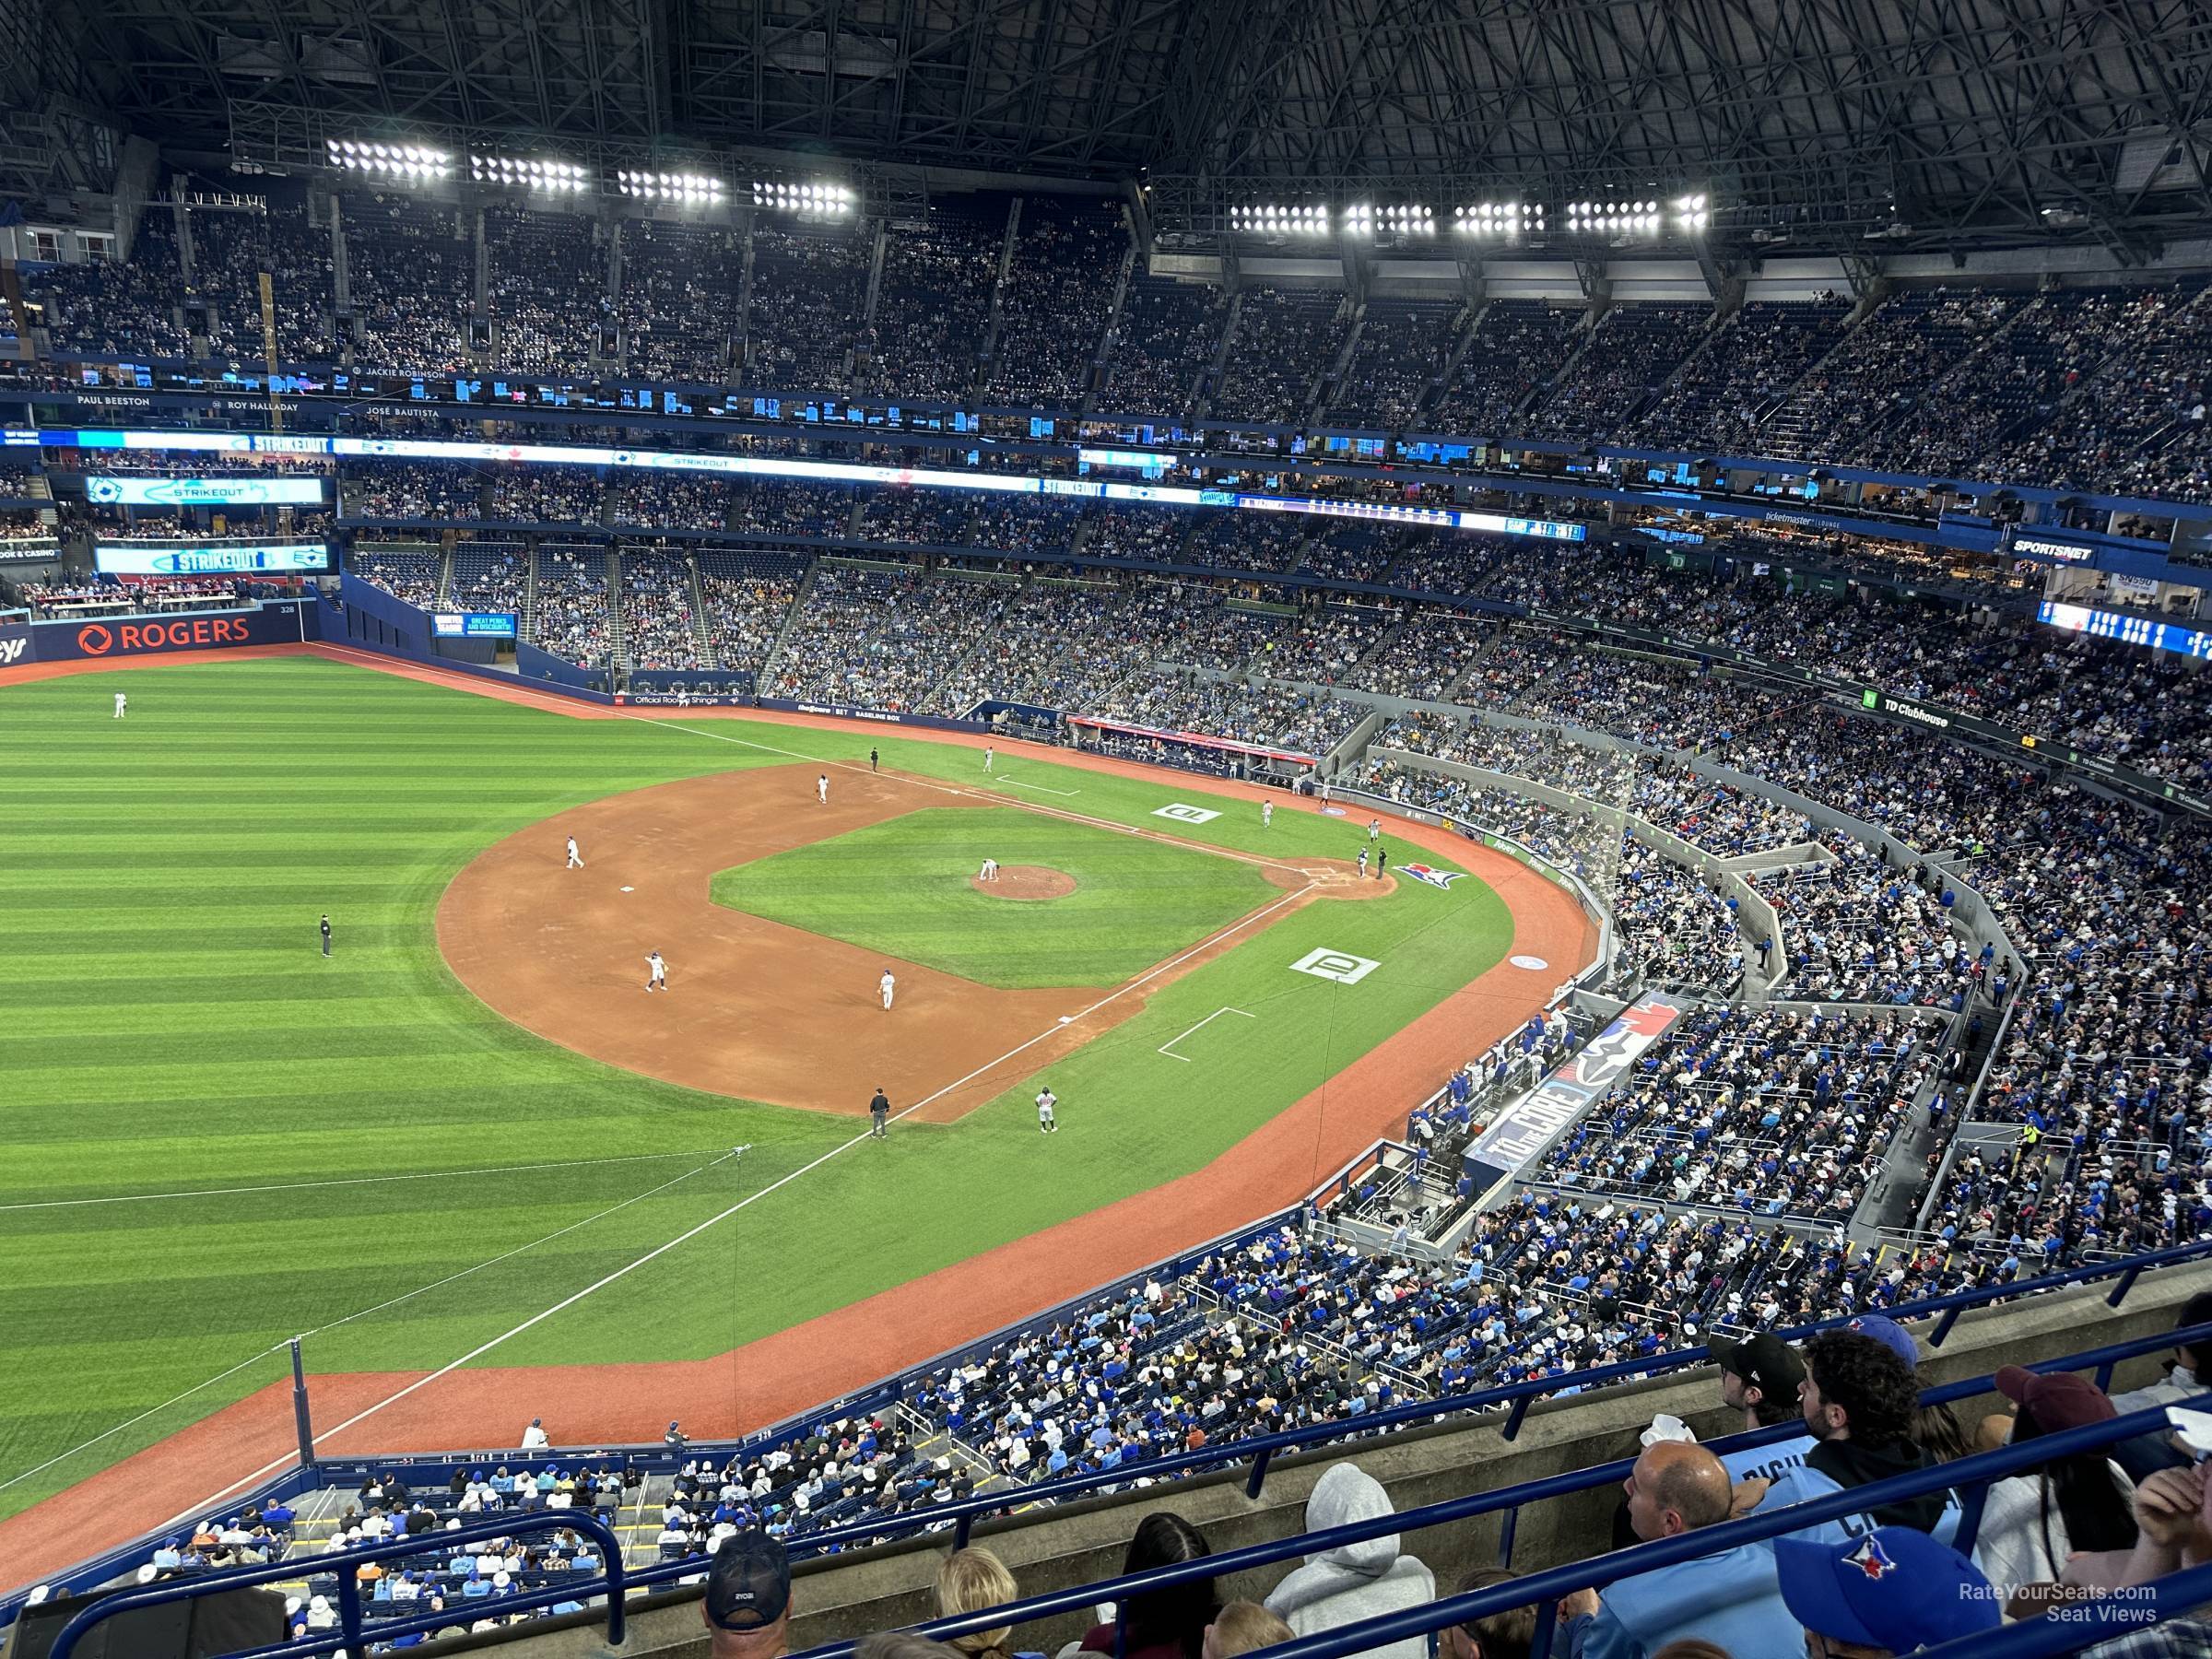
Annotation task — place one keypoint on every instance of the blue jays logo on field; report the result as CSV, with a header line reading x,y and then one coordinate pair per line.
x,y
1434,877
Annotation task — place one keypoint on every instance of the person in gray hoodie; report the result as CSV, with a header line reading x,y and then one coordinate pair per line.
x,y
1353,1581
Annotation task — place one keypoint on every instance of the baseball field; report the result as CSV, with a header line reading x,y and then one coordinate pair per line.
x,y
483,1172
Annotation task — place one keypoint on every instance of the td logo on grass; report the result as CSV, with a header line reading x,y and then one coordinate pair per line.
x,y
1339,965
1185,814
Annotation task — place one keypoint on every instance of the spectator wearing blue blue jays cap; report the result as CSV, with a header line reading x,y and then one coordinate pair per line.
x,y
1889,1334
1894,1591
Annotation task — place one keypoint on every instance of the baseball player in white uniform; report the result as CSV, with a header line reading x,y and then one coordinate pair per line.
x,y
1363,864
120,701
887,984
1046,1101
1266,814
575,858
986,757
989,872
658,970
821,789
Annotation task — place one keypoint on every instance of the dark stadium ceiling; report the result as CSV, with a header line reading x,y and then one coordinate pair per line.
x,y
1939,122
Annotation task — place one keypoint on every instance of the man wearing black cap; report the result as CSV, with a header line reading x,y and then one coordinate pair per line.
x,y
747,1608
1759,1378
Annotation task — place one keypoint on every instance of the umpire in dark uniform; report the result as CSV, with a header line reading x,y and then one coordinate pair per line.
x,y
326,934
879,1114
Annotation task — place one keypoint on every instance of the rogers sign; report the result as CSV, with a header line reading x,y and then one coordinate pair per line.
x,y
97,639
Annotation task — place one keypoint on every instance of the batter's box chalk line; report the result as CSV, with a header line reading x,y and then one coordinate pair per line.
x,y
1169,1045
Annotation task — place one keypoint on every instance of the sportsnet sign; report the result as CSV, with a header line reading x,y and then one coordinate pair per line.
x,y
1541,1116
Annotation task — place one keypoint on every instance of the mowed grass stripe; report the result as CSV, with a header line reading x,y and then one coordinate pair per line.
x,y
159,879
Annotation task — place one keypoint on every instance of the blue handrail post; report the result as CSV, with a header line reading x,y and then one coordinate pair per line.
x,y
349,1603
2127,1283
1512,1417
300,1419
1258,1477
1547,1624
1506,1534
1943,1326
960,1532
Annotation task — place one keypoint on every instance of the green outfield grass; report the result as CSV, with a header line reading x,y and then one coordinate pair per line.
x,y
902,888
169,1032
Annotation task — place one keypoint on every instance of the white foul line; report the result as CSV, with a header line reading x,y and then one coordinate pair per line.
x,y
363,1314
300,1186
1216,1014
1044,788
683,1238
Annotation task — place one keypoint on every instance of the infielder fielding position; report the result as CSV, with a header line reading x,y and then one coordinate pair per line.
x,y
575,858
887,984
657,969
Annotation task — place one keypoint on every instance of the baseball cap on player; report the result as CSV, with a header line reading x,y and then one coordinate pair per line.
x,y
749,1588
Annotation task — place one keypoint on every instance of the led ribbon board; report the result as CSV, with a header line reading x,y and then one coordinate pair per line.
x,y
211,559
293,491
833,472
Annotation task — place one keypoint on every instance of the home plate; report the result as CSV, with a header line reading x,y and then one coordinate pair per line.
x,y
630,889
1534,964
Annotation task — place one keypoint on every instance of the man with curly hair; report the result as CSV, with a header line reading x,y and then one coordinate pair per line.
x,y
1858,1399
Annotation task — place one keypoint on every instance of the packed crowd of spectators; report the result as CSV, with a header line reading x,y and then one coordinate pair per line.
x,y
1716,400
679,300
748,600
772,507
932,306
881,639
1162,346
806,308
411,279
1854,930
546,293
1422,659
651,501
1057,645
1877,378
127,309
1635,349
571,611
660,628
1260,712
489,576
547,495
932,518
1325,644
230,252
412,577
1766,1110
412,489
1052,310
1285,340
1402,350
1518,346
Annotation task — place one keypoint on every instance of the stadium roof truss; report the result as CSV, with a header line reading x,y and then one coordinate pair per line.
x,y
1821,123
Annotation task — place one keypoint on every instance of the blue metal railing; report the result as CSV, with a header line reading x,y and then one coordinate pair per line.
x,y
1548,1587
1516,1498
349,1631
1261,1451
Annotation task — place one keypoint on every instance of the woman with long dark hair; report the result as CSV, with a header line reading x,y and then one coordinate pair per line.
x,y
2036,1519
1170,1623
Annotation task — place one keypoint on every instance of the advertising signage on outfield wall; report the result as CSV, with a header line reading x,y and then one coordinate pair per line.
x,y
278,622
840,472
472,625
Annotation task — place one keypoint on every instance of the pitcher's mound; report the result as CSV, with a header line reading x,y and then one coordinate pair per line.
x,y
1026,881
